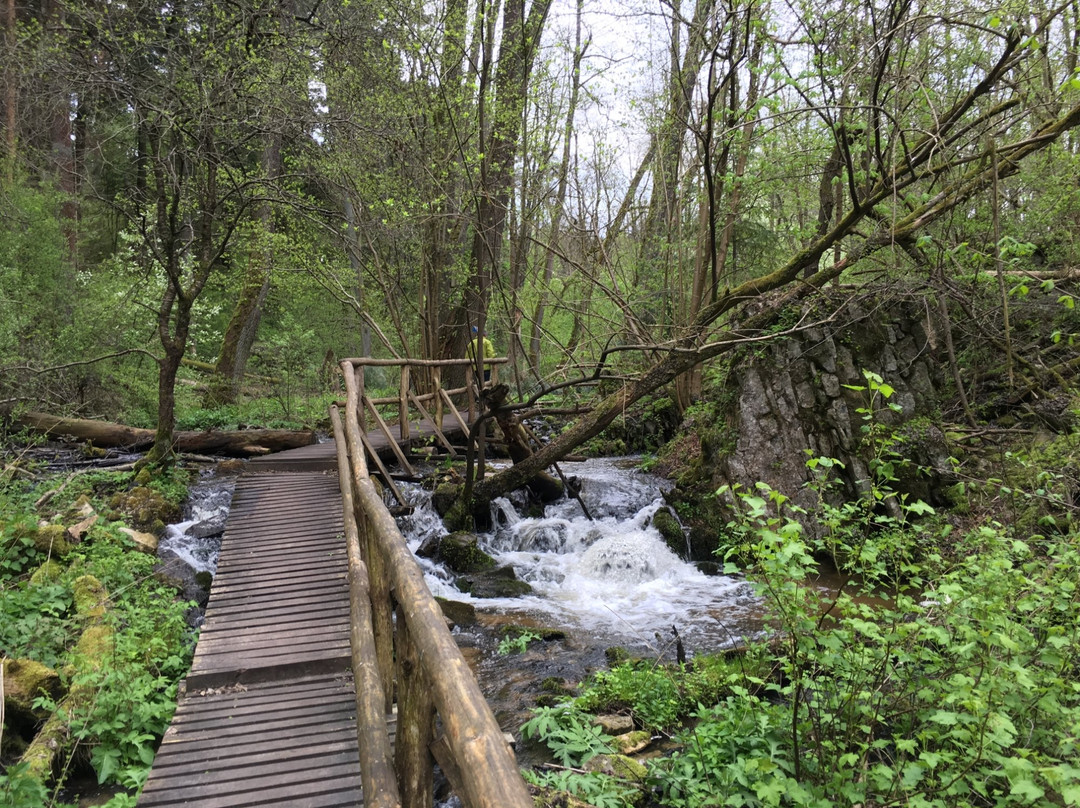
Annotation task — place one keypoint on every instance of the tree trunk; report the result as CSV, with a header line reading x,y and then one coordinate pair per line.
x,y
11,93
560,198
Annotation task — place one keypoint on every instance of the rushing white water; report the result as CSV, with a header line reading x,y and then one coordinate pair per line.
x,y
613,577
197,539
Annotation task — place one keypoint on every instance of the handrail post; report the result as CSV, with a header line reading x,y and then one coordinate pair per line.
x,y
489,775
376,759
359,371
403,404
436,380
470,375
415,724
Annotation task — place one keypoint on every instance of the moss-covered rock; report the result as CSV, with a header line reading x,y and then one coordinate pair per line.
x,y
24,681
621,766
46,573
458,613
501,582
668,525
630,743
444,497
146,508
461,552
95,646
53,540
91,597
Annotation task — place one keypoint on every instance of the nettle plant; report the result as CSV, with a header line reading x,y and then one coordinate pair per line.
x,y
920,681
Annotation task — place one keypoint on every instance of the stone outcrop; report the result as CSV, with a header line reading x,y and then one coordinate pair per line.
x,y
806,396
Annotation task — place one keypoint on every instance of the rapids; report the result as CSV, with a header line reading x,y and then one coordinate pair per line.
x,y
611,581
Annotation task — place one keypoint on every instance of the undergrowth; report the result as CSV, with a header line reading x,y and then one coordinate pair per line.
x,y
115,698
929,679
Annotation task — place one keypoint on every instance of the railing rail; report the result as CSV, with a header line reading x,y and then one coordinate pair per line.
x,y
408,389
411,655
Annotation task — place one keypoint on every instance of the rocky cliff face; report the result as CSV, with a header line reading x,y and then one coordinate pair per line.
x,y
806,396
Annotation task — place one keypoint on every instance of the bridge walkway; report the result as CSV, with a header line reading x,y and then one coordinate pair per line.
x,y
267,713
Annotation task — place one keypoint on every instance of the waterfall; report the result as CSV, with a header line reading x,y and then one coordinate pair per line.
x,y
613,578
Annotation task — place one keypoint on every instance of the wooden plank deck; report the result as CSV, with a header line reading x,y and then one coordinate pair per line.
x,y
267,713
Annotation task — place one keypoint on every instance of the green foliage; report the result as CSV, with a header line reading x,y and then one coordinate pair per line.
x,y
649,692
595,788
131,692
568,732
517,644
19,790
737,753
36,621
954,687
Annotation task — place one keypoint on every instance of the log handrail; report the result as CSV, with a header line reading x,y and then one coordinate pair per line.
x,y
353,373
429,661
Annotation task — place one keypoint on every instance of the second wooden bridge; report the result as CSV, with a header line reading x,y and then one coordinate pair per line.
x,y
325,674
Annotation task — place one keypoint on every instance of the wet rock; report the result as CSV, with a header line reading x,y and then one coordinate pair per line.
x,y
444,497
214,526
667,523
614,724
501,582
543,538
174,572
458,613
429,547
461,552
144,542
616,655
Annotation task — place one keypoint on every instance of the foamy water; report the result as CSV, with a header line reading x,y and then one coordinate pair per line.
x,y
613,577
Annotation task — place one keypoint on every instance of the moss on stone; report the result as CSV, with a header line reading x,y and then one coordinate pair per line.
x,y
46,573
53,540
95,646
24,681
91,597
146,508
619,766
445,497
671,531
461,552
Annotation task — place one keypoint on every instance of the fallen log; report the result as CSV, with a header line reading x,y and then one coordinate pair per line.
x,y
235,443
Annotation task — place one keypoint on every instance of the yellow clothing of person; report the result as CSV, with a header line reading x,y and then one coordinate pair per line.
x,y
487,349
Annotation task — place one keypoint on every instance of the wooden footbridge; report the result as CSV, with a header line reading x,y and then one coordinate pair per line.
x,y
325,674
